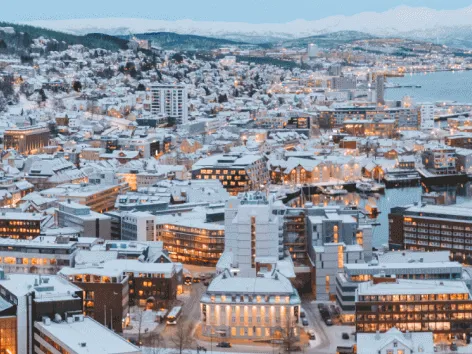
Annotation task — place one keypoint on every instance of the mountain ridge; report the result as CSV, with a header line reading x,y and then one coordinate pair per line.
x,y
403,21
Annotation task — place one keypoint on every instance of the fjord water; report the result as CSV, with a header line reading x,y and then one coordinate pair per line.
x,y
435,86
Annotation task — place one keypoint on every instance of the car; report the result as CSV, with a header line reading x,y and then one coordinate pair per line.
x,y
224,345
345,336
295,348
321,306
305,322
302,314
453,347
206,283
311,334
328,322
135,342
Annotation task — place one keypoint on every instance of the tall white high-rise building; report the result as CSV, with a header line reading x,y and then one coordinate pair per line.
x,y
253,234
312,50
170,100
427,116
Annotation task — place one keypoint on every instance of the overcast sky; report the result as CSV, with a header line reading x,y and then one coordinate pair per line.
x,y
254,11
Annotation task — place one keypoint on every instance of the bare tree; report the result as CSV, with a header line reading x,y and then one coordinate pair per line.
x,y
139,313
155,343
182,339
289,336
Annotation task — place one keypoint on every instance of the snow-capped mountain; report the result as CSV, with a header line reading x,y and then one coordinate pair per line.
x,y
413,22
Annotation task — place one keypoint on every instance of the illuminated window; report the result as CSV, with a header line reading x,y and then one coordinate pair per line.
x,y
340,257
360,238
327,287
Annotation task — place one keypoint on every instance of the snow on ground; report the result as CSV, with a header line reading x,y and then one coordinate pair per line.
x,y
147,319
173,351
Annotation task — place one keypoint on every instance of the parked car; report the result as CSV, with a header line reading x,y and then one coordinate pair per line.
x,y
302,314
135,342
224,345
311,334
328,322
206,283
305,322
345,335
295,348
320,306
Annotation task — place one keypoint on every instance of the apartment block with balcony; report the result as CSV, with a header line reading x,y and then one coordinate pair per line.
x,y
432,228
237,172
253,234
106,293
440,160
170,100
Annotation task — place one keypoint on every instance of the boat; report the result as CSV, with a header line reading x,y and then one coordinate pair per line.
x,y
334,190
369,187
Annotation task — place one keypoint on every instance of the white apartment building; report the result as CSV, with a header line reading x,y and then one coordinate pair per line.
x,y
253,234
335,238
427,116
138,226
170,100
260,307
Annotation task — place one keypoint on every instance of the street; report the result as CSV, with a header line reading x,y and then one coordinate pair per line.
x,y
327,338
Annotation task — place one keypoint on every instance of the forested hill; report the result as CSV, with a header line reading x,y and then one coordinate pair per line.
x,y
15,38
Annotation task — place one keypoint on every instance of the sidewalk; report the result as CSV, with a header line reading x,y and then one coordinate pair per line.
x,y
249,343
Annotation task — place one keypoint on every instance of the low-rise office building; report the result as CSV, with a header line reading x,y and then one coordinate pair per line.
x,y
391,266
190,239
79,335
24,226
34,297
42,255
255,308
442,307
87,222
26,140
133,282
99,197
